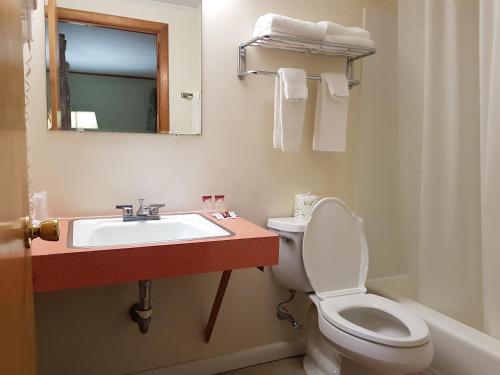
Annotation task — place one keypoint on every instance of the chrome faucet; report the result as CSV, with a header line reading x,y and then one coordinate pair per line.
x,y
144,212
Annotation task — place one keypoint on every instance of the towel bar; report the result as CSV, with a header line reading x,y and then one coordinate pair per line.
x,y
351,82
294,44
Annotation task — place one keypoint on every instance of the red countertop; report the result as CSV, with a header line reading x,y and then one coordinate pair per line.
x,y
57,266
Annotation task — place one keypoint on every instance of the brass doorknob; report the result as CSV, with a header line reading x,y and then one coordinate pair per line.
x,y
47,230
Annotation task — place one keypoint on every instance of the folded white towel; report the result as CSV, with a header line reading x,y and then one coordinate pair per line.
x,y
271,23
292,42
350,40
336,29
330,121
289,108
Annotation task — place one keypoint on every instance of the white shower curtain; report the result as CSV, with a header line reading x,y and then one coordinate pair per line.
x,y
440,153
489,42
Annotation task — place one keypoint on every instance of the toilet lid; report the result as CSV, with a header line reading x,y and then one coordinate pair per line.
x,y
335,251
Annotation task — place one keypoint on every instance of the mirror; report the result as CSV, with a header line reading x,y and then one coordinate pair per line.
x,y
115,74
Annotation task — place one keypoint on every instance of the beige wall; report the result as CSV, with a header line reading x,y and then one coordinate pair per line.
x,y
87,331
378,198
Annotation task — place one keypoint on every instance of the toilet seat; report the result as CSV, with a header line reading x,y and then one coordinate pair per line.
x,y
335,255
371,305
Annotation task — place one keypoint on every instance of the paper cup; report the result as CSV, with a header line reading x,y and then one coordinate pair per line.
x,y
304,203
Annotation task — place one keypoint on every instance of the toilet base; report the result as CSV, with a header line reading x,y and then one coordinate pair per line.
x,y
311,369
321,358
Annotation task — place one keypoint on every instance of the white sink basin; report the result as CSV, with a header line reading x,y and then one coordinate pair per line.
x,y
114,231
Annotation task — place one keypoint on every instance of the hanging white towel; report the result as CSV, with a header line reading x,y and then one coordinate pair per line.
x,y
289,108
271,23
336,29
196,113
330,121
295,83
350,40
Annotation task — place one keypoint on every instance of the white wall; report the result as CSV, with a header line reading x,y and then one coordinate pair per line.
x,y
87,331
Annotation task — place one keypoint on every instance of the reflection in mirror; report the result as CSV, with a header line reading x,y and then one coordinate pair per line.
x,y
117,74
107,79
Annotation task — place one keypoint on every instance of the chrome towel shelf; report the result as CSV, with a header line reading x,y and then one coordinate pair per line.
x,y
288,43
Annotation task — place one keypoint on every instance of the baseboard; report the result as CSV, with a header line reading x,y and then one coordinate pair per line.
x,y
233,361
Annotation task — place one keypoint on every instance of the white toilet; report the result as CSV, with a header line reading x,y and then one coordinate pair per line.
x,y
328,258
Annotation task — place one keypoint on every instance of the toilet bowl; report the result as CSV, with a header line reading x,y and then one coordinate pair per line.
x,y
327,258
375,331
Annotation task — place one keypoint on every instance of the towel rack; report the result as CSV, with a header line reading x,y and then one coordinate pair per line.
x,y
289,43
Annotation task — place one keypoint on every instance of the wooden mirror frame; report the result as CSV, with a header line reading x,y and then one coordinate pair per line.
x,y
55,14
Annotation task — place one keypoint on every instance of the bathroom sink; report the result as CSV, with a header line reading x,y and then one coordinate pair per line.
x,y
112,231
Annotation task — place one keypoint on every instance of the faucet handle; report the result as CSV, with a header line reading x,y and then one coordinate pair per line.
x,y
142,210
154,209
127,209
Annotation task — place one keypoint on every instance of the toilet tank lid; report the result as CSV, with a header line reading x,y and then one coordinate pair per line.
x,y
288,224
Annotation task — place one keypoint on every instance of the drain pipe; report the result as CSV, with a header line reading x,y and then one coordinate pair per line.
x,y
141,312
282,312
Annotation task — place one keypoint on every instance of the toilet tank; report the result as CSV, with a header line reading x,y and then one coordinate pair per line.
x,y
290,272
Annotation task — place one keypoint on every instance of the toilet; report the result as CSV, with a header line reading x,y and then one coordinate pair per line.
x,y
327,257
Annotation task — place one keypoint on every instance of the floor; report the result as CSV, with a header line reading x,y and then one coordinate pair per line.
x,y
288,366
